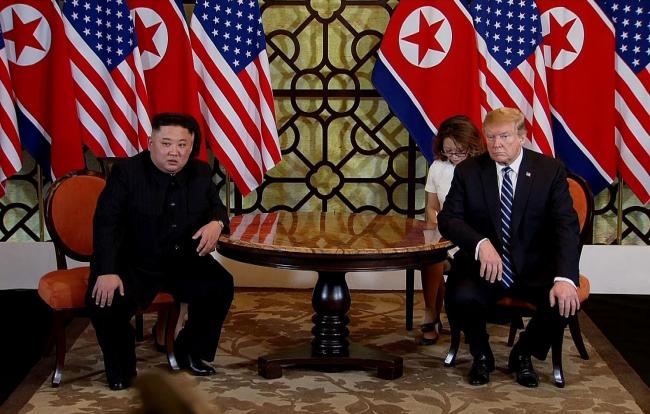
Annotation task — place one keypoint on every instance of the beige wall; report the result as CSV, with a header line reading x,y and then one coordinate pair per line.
x,y
611,269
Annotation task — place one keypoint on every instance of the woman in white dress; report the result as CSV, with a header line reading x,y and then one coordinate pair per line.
x,y
458,138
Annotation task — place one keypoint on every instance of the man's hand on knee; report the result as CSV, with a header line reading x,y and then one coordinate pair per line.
x,y
209,235
104,289
566,296
491,265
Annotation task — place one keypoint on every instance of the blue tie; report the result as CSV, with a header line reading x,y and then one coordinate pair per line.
x,y
507,195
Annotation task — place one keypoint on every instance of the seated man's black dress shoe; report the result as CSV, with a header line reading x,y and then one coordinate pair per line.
x,y
479,374
194,365
118,382
117,385
116,377
522,365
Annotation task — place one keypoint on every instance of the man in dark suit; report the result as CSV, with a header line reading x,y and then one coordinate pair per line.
x,y
156,222
511,214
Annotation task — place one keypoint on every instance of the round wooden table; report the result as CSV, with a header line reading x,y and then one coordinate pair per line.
x,y
332,244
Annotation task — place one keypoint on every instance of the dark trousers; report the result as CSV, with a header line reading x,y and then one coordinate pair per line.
x,y
468,302
201,282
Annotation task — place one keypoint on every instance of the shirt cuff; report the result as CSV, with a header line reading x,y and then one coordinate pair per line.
x,y
477,246
565,279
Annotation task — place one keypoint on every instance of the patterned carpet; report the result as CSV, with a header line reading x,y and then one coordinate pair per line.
x,y
264,321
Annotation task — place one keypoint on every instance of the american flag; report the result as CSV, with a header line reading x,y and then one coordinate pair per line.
x,y
235,92
111,95
9,142
512,71
632,22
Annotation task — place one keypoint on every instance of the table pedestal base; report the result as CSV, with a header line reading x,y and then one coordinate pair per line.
x,y
330,349
388,366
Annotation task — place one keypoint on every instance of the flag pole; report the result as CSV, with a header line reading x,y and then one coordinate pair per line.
x,y
41,203
228,194
619,211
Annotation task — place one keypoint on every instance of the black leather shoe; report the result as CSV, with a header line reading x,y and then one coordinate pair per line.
x,y
479,374
194,365
117,385
117,381
522,365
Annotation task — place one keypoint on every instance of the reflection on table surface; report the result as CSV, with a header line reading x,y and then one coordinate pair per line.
x,y
332,232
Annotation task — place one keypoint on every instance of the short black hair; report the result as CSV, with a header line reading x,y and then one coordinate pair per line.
x,y
182,120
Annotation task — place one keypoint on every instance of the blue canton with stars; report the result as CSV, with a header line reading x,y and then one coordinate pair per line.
x,y
631,20
511,29
235,27
105,25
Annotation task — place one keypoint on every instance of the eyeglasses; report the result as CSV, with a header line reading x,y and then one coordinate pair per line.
x,y
457,154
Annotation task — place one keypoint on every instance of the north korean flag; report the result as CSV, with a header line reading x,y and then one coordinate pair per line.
x,y
579,40
427,67
166,55
42,80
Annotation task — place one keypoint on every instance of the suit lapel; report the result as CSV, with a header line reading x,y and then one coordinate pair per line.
x,y
524,184
491,192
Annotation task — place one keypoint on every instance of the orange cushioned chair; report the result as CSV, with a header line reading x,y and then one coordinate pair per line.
x,y
583,203
69,215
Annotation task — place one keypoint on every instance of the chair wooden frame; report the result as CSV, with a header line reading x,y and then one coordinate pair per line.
x,y
521,308
60,317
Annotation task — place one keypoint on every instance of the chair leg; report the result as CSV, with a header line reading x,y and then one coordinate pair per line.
x,y
170,330
59,336
450,360
159,330
410,293
576,334
556,355
514,325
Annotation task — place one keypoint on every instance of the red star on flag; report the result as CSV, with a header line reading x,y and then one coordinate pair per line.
x,y
22,34
425,37
145,42
558,37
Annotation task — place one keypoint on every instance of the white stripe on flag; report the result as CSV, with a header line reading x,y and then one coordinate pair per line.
x,y
102,105
227,146
639,133
632,163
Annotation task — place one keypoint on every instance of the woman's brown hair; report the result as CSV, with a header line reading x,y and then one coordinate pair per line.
x,y
464,133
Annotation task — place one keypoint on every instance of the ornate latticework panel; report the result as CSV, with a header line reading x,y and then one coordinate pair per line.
x,y
342,148
634,217
19,209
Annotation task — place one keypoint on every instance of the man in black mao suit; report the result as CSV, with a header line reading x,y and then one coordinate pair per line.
x,y
156,222
524,244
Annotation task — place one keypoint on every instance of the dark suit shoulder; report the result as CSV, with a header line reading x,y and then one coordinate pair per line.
x,y
475,164
541,162
198,167
130,165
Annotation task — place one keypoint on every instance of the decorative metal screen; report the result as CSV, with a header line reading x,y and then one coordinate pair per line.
x,y
342,148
